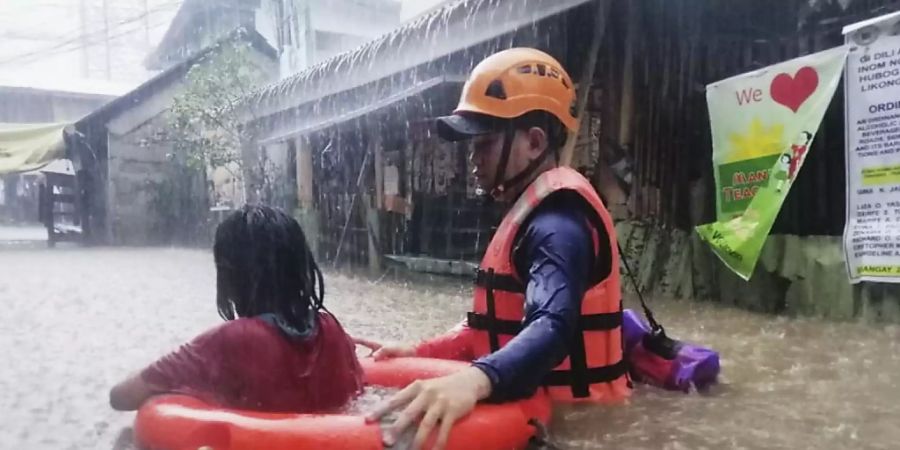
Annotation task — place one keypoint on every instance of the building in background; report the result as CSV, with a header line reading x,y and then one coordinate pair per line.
x,y
24,100
29,100
302,31
137,194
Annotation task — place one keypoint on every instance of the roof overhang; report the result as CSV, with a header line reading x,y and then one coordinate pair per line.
x,y
450,29
425,92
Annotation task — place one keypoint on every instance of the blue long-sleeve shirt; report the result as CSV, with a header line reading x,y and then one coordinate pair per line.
x,y
554,255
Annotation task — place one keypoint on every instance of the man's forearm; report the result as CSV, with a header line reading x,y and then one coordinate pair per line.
x,y
518,369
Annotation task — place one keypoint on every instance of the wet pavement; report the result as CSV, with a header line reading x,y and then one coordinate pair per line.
x,y
77,320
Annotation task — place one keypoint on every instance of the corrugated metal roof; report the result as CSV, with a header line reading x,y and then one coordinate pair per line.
x,y
456,26
312,123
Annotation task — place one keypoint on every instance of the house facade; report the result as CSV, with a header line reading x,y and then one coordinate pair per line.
x,y
139,191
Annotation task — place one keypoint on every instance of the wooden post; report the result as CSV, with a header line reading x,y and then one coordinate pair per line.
x,y
626,108
587,78
626,112
379,168
304,174
107,189
305,200
373,208
372,227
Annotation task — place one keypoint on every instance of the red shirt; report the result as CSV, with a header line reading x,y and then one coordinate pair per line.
x,y
250,364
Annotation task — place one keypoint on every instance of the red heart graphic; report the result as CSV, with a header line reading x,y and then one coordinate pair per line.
x,y
793,91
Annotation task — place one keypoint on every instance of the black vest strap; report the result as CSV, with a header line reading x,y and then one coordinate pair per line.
x,y
498,282
483,322
578,362
600,322
592,375
593,322
493,338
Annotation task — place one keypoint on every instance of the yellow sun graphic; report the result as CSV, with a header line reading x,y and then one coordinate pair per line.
x,y
759,141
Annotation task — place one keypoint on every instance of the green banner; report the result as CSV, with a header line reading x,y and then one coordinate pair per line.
x,y
763,124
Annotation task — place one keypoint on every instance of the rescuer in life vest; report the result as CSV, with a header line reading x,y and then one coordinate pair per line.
x,y
547,307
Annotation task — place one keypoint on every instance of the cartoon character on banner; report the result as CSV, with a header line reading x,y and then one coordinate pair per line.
x,y
798,152
789,162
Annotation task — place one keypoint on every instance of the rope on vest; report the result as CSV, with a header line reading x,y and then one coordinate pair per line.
x,y
656,342
656,327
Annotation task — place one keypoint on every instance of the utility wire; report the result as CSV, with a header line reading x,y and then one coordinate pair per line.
x,y
85,39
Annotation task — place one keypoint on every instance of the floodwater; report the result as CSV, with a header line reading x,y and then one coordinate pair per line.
x,y
77,320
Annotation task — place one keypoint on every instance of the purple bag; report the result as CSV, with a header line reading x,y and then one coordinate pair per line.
x,y
656,359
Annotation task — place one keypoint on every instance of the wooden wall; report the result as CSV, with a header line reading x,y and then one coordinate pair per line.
x,y
656,61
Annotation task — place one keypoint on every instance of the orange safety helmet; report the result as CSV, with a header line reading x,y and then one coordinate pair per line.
x,y
507,85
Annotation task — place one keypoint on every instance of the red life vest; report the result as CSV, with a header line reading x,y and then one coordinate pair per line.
x,y
595,369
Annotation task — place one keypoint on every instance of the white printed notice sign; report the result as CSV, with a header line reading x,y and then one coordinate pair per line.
x,y
872,232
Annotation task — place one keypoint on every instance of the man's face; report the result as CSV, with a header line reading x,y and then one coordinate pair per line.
x,y
485,153
487,150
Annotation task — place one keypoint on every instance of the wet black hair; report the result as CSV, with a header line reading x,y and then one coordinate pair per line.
x,y
264,266
556,131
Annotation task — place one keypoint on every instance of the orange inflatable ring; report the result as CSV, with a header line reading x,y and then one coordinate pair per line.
x,y
175,422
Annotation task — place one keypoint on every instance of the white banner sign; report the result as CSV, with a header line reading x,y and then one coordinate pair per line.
x,y
872,232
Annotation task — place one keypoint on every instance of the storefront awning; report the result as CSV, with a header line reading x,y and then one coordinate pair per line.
x,y
26,147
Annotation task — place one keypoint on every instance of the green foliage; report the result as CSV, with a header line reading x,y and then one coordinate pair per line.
x,y
204,123
203,132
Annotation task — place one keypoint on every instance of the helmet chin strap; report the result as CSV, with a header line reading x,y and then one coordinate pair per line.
x,y
501,185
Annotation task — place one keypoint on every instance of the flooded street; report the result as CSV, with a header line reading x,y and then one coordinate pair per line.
x,y
703,137
76,320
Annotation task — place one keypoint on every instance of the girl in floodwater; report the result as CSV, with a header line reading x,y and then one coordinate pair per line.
x,y
279,348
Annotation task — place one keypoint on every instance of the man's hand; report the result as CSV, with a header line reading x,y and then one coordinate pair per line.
x,y
437,401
